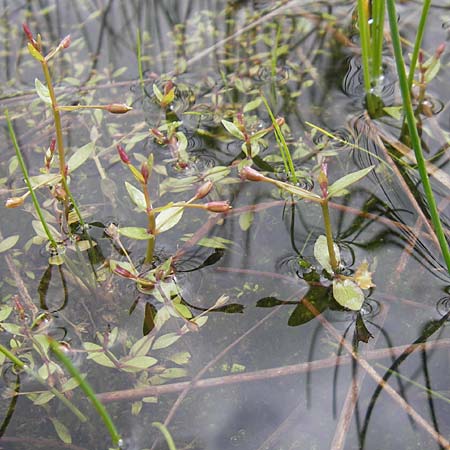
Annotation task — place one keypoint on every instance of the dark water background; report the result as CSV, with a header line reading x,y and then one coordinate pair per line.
x,y
318,80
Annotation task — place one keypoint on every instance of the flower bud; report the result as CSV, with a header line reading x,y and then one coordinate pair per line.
x,y
144,172
118,108
218,207
123,155
440,49
29,35
14,202
280,121
158,135
168,87
204,190
123,272
323,180
247,173
65,43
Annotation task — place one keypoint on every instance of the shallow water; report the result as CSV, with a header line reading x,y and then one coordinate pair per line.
x,y
276,382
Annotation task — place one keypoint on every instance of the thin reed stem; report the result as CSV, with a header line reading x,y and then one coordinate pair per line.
x,y
414,135
87,389
418,41
37,207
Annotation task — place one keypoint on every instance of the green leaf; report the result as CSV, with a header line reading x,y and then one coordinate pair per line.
x,y
138,363
174,372
338,187
318,296
42,91
34,53
183,310
233,130
39,229
322,255
158,94
168,218
42,399
137,196
5,311
138,233
142,346
62,431
300,192
96,353
166,340
394,111
80,156
348,294
250,106
180,358
8,243
70,384
246,220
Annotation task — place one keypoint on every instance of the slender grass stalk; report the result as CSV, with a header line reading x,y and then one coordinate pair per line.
x,y
87,389
364,33
284,149
418,41
40,380
275,51
167,436
139,59
378,13
414,135
37,207
329,234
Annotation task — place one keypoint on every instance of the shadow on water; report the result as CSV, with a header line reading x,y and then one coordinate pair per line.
x,y
278,364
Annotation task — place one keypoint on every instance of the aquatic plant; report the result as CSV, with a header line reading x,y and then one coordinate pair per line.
x,y
347,290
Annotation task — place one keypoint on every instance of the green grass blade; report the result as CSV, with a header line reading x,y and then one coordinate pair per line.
x,y
37,207
284,149
414,135
87,389
13,358
169,440
378,13
418,42
364,34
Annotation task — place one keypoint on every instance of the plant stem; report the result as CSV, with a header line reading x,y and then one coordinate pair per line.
x,y
86,388
418,41
414,135
28,182
167,436
329,235
151,226
53,390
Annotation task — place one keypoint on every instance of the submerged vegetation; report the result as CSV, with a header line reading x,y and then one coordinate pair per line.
x,y
236,126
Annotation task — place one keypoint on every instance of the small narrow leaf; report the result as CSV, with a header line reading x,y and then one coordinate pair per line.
x,y
166,340
322,255
138,363
8,243
338,187
42,91
80,156
136,196
348,294
34,53
168,218
62,431
157,92
233,130
138,233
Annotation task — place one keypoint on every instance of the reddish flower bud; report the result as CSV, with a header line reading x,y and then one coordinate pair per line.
x,y
440,49
118,108
52,145
65,43
247,173
204,190
158,135
123,154
218,207
123,272
280,121
14,202
167,87
421,58
28,34
323,180
144,172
